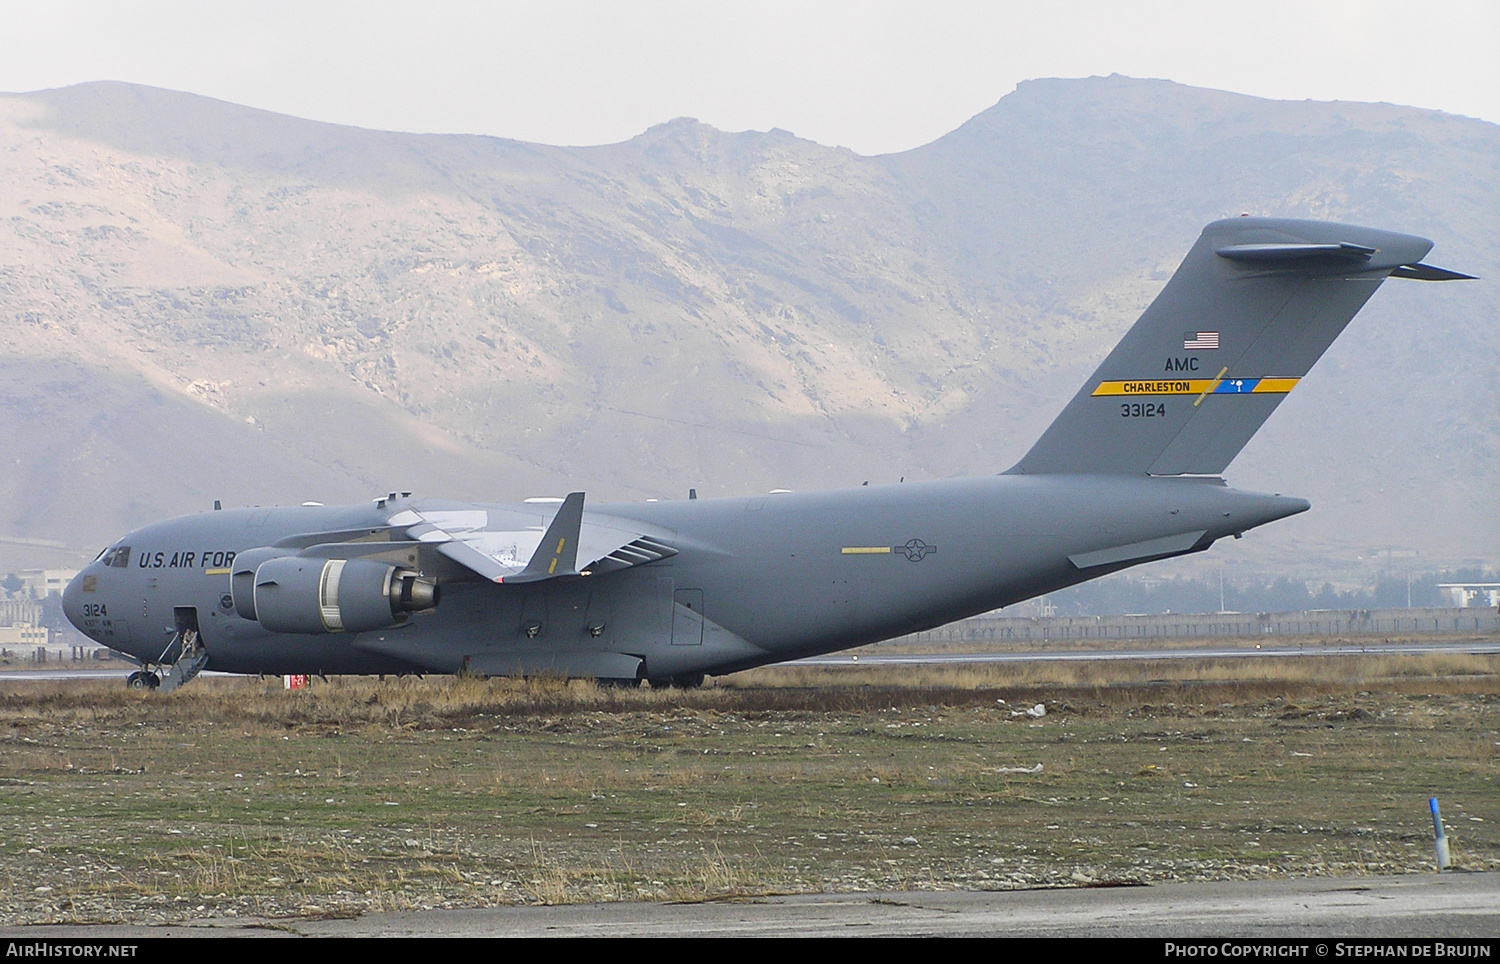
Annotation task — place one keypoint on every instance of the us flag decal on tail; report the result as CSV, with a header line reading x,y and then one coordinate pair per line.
x,y
1200,340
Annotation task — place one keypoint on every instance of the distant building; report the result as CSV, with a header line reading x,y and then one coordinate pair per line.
x,y
1465,594
25,636
20,611
43,582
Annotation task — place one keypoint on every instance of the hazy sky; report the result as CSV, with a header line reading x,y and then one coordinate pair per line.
x,y
872,76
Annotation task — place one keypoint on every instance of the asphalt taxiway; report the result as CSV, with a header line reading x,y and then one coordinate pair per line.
x,y
1477,647
1450,907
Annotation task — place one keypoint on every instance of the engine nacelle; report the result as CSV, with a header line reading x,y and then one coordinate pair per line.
x,y
242,577
297,594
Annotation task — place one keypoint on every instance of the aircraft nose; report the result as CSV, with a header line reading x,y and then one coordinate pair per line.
x,y
72,599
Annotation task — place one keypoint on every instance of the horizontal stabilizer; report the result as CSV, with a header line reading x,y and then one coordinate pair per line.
x,y
1343,251
1428,272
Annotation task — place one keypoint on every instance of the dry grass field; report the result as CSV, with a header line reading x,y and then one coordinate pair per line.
x,y
235,798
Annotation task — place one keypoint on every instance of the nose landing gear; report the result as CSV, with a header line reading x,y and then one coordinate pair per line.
x,y
191,656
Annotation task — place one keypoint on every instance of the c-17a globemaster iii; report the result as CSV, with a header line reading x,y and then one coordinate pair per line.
x,y
670,591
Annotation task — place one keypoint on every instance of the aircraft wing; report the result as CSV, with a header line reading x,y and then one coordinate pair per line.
x,y
514,545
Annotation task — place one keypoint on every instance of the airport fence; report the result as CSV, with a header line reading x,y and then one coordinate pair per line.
x,y
1331,622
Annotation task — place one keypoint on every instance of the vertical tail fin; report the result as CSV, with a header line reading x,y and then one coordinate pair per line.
x,y
1252,307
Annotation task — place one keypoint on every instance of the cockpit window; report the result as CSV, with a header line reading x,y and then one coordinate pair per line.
x,y
118,557
101,553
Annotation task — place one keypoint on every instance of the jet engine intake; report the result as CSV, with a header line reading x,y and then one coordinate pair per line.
x,y
298,594
242,577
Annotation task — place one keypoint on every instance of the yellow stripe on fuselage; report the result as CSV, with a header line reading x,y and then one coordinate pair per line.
x,y
865,550
216,572
1195,386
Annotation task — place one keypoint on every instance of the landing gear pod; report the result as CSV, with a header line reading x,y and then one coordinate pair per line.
x,y
296,594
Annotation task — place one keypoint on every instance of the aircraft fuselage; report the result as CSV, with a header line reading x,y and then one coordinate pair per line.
x,y
754,580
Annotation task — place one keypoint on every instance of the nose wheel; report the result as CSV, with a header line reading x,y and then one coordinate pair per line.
x,y
142,680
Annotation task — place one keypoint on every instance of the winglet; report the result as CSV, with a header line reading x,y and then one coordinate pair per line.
x,y
558,553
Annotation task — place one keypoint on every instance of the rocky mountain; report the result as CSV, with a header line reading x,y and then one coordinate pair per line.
x,y
200,300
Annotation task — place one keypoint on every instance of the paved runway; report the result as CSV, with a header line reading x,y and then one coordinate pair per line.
x,y
1454,906
37,675
1469,646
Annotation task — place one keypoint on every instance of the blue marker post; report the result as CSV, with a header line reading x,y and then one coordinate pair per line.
x,y
1444,861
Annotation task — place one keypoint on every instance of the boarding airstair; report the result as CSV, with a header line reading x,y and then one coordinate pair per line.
x,y
190,662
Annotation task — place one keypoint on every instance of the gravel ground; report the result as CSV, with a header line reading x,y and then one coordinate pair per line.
x,y
239,800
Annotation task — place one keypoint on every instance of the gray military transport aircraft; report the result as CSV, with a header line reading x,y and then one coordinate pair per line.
x,y
670,591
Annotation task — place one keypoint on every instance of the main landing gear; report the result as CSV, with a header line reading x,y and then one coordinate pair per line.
x,y
143,680
687,681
